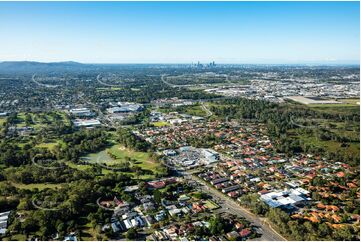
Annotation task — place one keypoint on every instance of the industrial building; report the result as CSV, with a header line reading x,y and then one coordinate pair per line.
x,y
125,107
86,123
81,112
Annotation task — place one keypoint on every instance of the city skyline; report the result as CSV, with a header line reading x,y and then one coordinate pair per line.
x,y
181,32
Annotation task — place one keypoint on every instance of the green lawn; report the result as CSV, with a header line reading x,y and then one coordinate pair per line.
x,y
21,120
350,100
15,237
80,167
211,205
41,120
336,108
101,156
47,145
122,154
194,110
40,186
109,89
161,124
333,105
2,121
143,159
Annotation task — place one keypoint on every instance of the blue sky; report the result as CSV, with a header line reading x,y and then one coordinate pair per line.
x,y
181,32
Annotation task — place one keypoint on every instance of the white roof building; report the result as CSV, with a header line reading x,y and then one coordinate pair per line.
x,y
86,123
128,224
4,221
284,198
210,156
81,112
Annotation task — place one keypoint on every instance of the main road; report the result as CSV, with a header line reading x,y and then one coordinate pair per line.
x,y
167,83
43,85
230,206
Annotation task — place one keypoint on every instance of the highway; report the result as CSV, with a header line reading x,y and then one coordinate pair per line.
x,y
41,84
206,109
167,83
106,84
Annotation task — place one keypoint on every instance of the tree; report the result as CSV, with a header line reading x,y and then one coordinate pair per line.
x,y
324,230
157,196
24,205
29,225
344,233
131,234
217,225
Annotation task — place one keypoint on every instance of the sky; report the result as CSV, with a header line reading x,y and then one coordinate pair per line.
x,y
181,32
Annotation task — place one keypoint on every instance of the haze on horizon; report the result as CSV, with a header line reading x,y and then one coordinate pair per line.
x,y
181,32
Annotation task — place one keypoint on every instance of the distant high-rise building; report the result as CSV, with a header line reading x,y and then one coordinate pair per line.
x,y
200,65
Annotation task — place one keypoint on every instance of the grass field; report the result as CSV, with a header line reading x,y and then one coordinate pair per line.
x,y
142,159
47,145
15,237
122,154
194,110
101,156
21,120
41,120
40,186
350,100
109,88
2,121
340,108
161,124
80,167
336,105
211,205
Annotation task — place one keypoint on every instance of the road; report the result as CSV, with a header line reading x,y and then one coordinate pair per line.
x,y
106,84
232,207
41,84
206,109
167,83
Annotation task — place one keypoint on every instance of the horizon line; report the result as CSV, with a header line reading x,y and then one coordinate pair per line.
x,y
343,62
